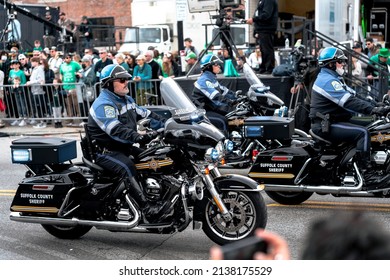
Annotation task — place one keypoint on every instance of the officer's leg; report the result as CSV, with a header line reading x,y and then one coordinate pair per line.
x,y
351,133
122,165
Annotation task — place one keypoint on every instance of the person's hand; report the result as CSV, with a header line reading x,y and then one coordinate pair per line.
x,y
146,138
381,111
277,246
249,21
238,93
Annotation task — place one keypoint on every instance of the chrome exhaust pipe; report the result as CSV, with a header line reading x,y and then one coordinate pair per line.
x,y
319,189
120,226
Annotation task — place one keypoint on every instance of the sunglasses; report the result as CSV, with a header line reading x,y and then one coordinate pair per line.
x,y
122,80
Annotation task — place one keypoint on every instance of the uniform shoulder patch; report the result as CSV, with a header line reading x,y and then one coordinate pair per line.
x,y
209,84
109,112
337,85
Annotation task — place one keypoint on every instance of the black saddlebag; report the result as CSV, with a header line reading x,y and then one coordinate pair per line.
x,y
269,127
46,193
43,150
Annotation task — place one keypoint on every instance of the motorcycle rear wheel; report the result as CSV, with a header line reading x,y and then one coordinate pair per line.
x,y
64,232
289,198
249,213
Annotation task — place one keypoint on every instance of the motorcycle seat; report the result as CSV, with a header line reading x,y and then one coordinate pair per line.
x,y
319,138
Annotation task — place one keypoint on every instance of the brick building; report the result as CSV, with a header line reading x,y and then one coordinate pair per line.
x,y
118,10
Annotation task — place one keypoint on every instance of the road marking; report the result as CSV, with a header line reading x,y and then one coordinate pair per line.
x,y
336,205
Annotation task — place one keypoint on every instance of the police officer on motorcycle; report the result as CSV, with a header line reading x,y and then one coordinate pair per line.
x,y
333,103
209,94
112,124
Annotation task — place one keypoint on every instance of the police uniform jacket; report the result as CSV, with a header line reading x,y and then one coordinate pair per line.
x,y
112,121
210,94
332,96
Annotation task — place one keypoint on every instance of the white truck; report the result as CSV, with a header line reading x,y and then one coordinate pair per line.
x,y
155,23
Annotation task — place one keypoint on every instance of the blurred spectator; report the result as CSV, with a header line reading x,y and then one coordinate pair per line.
x,y
142,75
149,59
191,60
85,32
382,58
344,235
69,71
37,46
25,65
131,62
188,47
95,58
48,88
348,235
15,71
38,102
100,64
120,59
59,98
265,22
371,48
13,31
255,59
49,32
55,61
169,67
21,102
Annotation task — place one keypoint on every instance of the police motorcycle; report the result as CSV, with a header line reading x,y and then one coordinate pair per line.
x,y
291,174
258,106
180,166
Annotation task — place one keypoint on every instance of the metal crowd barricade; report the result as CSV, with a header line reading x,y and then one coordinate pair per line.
x,y
58,105
53,103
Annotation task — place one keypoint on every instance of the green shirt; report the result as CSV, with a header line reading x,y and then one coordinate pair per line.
x,y
20,74
68,72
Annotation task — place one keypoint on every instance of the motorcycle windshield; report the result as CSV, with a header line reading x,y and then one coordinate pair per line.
x,y
174,96
258,89
251,76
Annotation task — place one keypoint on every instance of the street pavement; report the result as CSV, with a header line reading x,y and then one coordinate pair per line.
x,y
29,130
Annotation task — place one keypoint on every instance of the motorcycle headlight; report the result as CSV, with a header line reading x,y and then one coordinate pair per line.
x,y
228,146
212,155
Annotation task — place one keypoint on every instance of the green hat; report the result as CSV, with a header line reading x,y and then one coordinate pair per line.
x,y
384,52
191,55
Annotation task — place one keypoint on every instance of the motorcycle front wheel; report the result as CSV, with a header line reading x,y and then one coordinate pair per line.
x,y
64,232
248,212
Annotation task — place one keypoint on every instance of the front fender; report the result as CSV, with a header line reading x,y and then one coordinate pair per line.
x,y
228,182
236,182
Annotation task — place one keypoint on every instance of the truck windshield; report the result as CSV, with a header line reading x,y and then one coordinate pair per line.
x,y
146,35
150,35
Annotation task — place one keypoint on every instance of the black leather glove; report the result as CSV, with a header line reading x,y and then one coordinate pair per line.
x,y
382,111
146,138
238,93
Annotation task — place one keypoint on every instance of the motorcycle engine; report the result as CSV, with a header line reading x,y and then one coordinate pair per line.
x,y
153,189
236,138
379,157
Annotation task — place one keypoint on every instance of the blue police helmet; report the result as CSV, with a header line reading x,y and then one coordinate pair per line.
x,y
331,54
112,72
209,59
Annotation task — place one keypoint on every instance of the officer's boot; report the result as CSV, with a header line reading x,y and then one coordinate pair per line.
x,y
151,212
